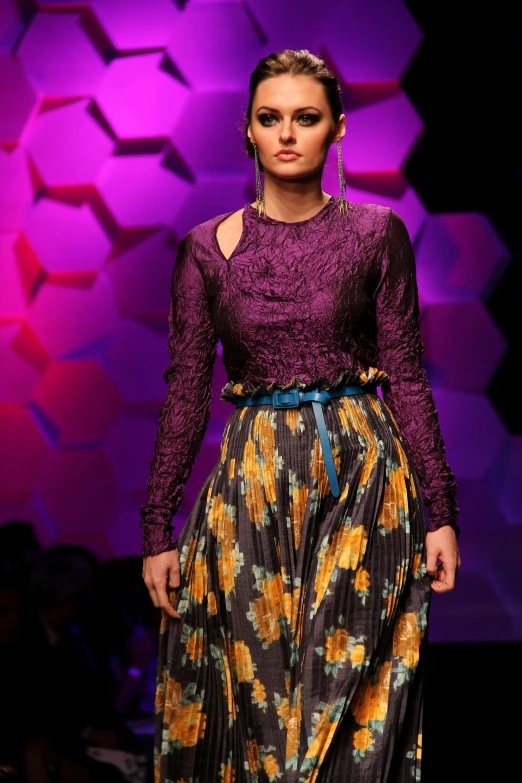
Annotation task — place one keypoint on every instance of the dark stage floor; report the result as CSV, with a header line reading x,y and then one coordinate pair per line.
x,y
472,722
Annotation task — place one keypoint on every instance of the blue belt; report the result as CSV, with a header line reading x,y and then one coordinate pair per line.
x,y
292,398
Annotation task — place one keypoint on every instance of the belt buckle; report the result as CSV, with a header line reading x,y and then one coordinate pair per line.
x,y
285,398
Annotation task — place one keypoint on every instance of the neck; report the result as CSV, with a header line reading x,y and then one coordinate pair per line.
x,y
293,201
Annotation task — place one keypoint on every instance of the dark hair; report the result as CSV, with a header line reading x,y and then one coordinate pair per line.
x,y
295,62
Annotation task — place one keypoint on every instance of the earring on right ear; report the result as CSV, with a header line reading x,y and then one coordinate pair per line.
x,y
260,197
343,204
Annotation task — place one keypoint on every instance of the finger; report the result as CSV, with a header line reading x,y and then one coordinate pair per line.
x,y
153,595
165,604
445,580
431,562
174,579
449,579
438,585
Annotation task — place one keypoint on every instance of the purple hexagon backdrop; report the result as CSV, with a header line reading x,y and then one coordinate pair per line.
x,y
119,131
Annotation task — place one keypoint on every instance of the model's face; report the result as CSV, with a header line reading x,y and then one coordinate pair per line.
x,y
292,112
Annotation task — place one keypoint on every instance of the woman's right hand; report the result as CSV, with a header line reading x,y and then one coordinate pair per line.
x,y
162,572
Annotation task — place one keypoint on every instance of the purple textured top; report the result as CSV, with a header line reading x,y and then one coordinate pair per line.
x,y
297,304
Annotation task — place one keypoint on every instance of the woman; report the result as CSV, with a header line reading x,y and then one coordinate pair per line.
x,y
293,646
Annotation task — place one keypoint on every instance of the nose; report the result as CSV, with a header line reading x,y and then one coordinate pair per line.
x,y
286,134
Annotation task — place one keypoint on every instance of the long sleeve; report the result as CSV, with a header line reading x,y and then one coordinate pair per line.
x,y
407,392
184,415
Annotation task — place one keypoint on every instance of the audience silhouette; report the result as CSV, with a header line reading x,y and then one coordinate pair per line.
x,y
78,658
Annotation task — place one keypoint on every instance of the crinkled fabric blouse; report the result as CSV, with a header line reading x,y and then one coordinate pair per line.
x,y
327,301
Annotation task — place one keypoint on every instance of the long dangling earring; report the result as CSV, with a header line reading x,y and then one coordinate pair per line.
x,y
260,198
343,204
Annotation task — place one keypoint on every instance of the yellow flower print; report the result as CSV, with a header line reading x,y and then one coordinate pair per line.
x,y
224,448
266,610
293,729
226,569
363,740
283,710
259,692
222,664
186,720
394,502
211,600
344,417
387,515
287,605
222,523
344,493
416,563
255,501
271,766
318,469
360,423
227,773
250,465
357,654
264,433
324,729
298,501
390,603
353,546
274,590
336,646
368,464
296,626
199,580
362,580
231,468
294,420
407,638
160,692
371,700
189,557
269,484
228,691
173,694
243,661
253,755
346,550
221,520
194,645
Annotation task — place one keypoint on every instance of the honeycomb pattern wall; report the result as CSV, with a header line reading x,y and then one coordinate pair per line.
x,y
119,131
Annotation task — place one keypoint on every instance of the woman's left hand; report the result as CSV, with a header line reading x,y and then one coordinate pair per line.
x,y
442,558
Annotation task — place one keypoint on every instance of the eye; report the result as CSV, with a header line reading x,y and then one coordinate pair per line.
x,y
264,119
306,119
313,118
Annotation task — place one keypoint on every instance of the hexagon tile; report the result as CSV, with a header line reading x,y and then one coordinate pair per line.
x,y
120,130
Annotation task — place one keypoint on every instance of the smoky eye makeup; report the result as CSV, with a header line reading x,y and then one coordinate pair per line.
x,y
307,118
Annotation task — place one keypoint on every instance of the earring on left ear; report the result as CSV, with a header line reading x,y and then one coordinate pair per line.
x,y
343,204
260,197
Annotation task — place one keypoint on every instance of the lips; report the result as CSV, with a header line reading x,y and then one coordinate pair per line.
x,y
287,154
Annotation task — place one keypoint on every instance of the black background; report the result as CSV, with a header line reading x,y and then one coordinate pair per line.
x,y
465,82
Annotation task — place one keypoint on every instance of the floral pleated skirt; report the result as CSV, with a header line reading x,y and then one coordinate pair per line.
x,y
300,650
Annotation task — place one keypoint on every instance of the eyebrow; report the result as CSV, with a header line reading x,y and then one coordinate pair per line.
x,y
301,109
